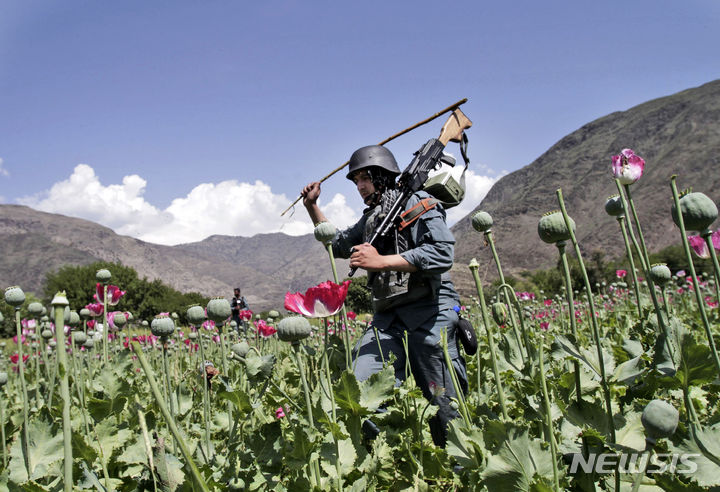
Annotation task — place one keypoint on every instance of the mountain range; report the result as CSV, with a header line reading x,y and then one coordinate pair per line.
x,y
678,134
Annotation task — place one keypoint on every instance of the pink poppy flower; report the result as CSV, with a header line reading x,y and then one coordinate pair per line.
x,y
264,329
320,301
620,273
351,315
544,325
96,309
114,294
548,302
246,314
699,245
627,167
279,413
208,324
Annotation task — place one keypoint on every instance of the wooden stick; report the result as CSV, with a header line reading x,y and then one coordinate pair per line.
x,y
393,137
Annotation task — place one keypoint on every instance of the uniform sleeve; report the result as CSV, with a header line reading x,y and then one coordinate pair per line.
x,y
434,243
345,240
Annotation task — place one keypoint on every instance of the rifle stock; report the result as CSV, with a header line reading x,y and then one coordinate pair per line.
x,y
454,127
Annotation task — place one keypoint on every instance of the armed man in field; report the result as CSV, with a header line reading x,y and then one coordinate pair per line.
x,y
411,288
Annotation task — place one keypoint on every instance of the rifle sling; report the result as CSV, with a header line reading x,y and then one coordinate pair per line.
x,y
410,216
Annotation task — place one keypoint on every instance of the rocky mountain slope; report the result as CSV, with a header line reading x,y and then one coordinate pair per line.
x,y
264,266
678,134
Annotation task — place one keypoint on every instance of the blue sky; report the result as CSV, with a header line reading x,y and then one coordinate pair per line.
x,y
171,121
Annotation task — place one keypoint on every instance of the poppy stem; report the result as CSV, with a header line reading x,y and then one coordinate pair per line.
x,y
346,331
491,341
23,386
691,267
593,319
571,311
513,320
194,471
716,268
631,261
65,394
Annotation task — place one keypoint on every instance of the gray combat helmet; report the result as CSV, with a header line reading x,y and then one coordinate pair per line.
x,y
373,156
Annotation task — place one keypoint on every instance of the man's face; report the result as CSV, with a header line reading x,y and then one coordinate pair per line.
x,y
364,184
237,292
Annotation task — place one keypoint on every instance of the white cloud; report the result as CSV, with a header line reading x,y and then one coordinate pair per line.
x,y
3,171
228,207
476,187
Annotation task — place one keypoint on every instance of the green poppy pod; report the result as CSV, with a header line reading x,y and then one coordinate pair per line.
x,y
119,320
46,334
144,323
74,320
85,313
218,310
103,275
698,211
482,221
3,378
613,206
52,343
240,349
293,329
473,264
89,343
2,318
273,314
552,229
14,296
129,317
91,333
195,315
257,317
66,315
35,309
499,313
162,326
660,274
192,335
325,232
660,420
79,338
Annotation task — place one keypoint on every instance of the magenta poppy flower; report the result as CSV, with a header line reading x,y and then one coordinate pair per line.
x,y
699,245
246,314
264,329
620,273
96,309
351,315
279,413
114,294
627,167
320,301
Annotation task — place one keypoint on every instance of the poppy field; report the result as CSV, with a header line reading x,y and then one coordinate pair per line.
x,y
612,386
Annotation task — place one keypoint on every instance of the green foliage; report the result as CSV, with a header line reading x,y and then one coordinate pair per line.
x,y
144,298
359,298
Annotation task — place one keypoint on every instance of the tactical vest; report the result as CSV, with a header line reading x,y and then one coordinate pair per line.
x,y
391,289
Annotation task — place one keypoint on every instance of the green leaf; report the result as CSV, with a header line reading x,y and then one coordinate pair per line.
x,y
628,371
45,449
518,464
464,445
169,469
347,394
631,435
703,456
81,449
110,437
267,445
239,399
563,347
344,454
378,388
696,363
